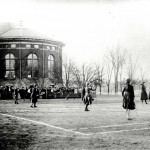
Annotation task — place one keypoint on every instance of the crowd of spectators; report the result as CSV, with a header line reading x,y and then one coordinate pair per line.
x,y
8,92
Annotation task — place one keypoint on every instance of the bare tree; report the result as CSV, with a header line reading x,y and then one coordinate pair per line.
x,y
109,70
88,73
131,67
117,58
77,76
68,65
142,72
99,75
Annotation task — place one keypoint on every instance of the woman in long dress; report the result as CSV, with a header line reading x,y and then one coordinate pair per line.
x,y
35,95
128,98
144,96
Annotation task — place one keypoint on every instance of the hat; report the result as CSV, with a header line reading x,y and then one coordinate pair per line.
x,y
128,80
142,83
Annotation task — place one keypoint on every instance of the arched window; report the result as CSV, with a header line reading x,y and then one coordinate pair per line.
x,y
51,61
10,66
32,65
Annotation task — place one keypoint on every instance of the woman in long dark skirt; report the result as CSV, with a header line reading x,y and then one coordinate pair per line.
x,y
35,96
144,96
128,98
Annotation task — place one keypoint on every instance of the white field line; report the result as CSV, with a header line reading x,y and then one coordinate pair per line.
x,y
45,124
119,131
68,130
119,125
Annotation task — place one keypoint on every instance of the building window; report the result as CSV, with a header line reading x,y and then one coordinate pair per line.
x,y
13,45
28,45
10,66
51,60
32,66
36,46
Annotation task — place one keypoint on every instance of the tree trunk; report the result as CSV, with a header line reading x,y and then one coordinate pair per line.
x,y
108,89
100,89
116,83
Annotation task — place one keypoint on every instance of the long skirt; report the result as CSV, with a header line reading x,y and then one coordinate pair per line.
x,y
87,99
34,100
128,102
144,95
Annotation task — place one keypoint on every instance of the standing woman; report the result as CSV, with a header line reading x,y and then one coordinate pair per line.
x,y
34,96
128,98
144,96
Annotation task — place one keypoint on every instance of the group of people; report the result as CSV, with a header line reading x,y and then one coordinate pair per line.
x,y
127,93
7,92
60,92
128,97
33,93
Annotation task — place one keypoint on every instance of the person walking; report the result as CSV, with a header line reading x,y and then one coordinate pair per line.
x,y
144,96
34,96
16,93
128,98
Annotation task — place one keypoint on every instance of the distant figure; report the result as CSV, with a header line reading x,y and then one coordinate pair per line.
x,y
34,96
87,97
23,93
67,91
128,98
144,96
16,93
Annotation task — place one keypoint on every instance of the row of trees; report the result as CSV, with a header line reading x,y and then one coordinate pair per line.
x,y
117,65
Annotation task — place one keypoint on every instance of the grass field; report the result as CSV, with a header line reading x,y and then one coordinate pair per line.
x,y
64,125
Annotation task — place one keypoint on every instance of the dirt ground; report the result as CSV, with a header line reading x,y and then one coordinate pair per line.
x,y
60,124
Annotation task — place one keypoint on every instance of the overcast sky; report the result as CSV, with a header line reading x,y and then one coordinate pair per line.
x,y
88,28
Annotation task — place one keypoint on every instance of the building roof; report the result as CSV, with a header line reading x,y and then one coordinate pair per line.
x,y
22,33
11,32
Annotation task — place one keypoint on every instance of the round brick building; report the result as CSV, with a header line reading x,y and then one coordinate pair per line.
x,y
27,57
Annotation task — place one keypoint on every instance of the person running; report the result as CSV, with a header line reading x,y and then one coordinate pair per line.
x,y
128,98
34,96
144,96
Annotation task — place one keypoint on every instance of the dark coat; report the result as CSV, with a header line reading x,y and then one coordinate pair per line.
x,y
128,97
35,95
144,93
22,93
16,93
